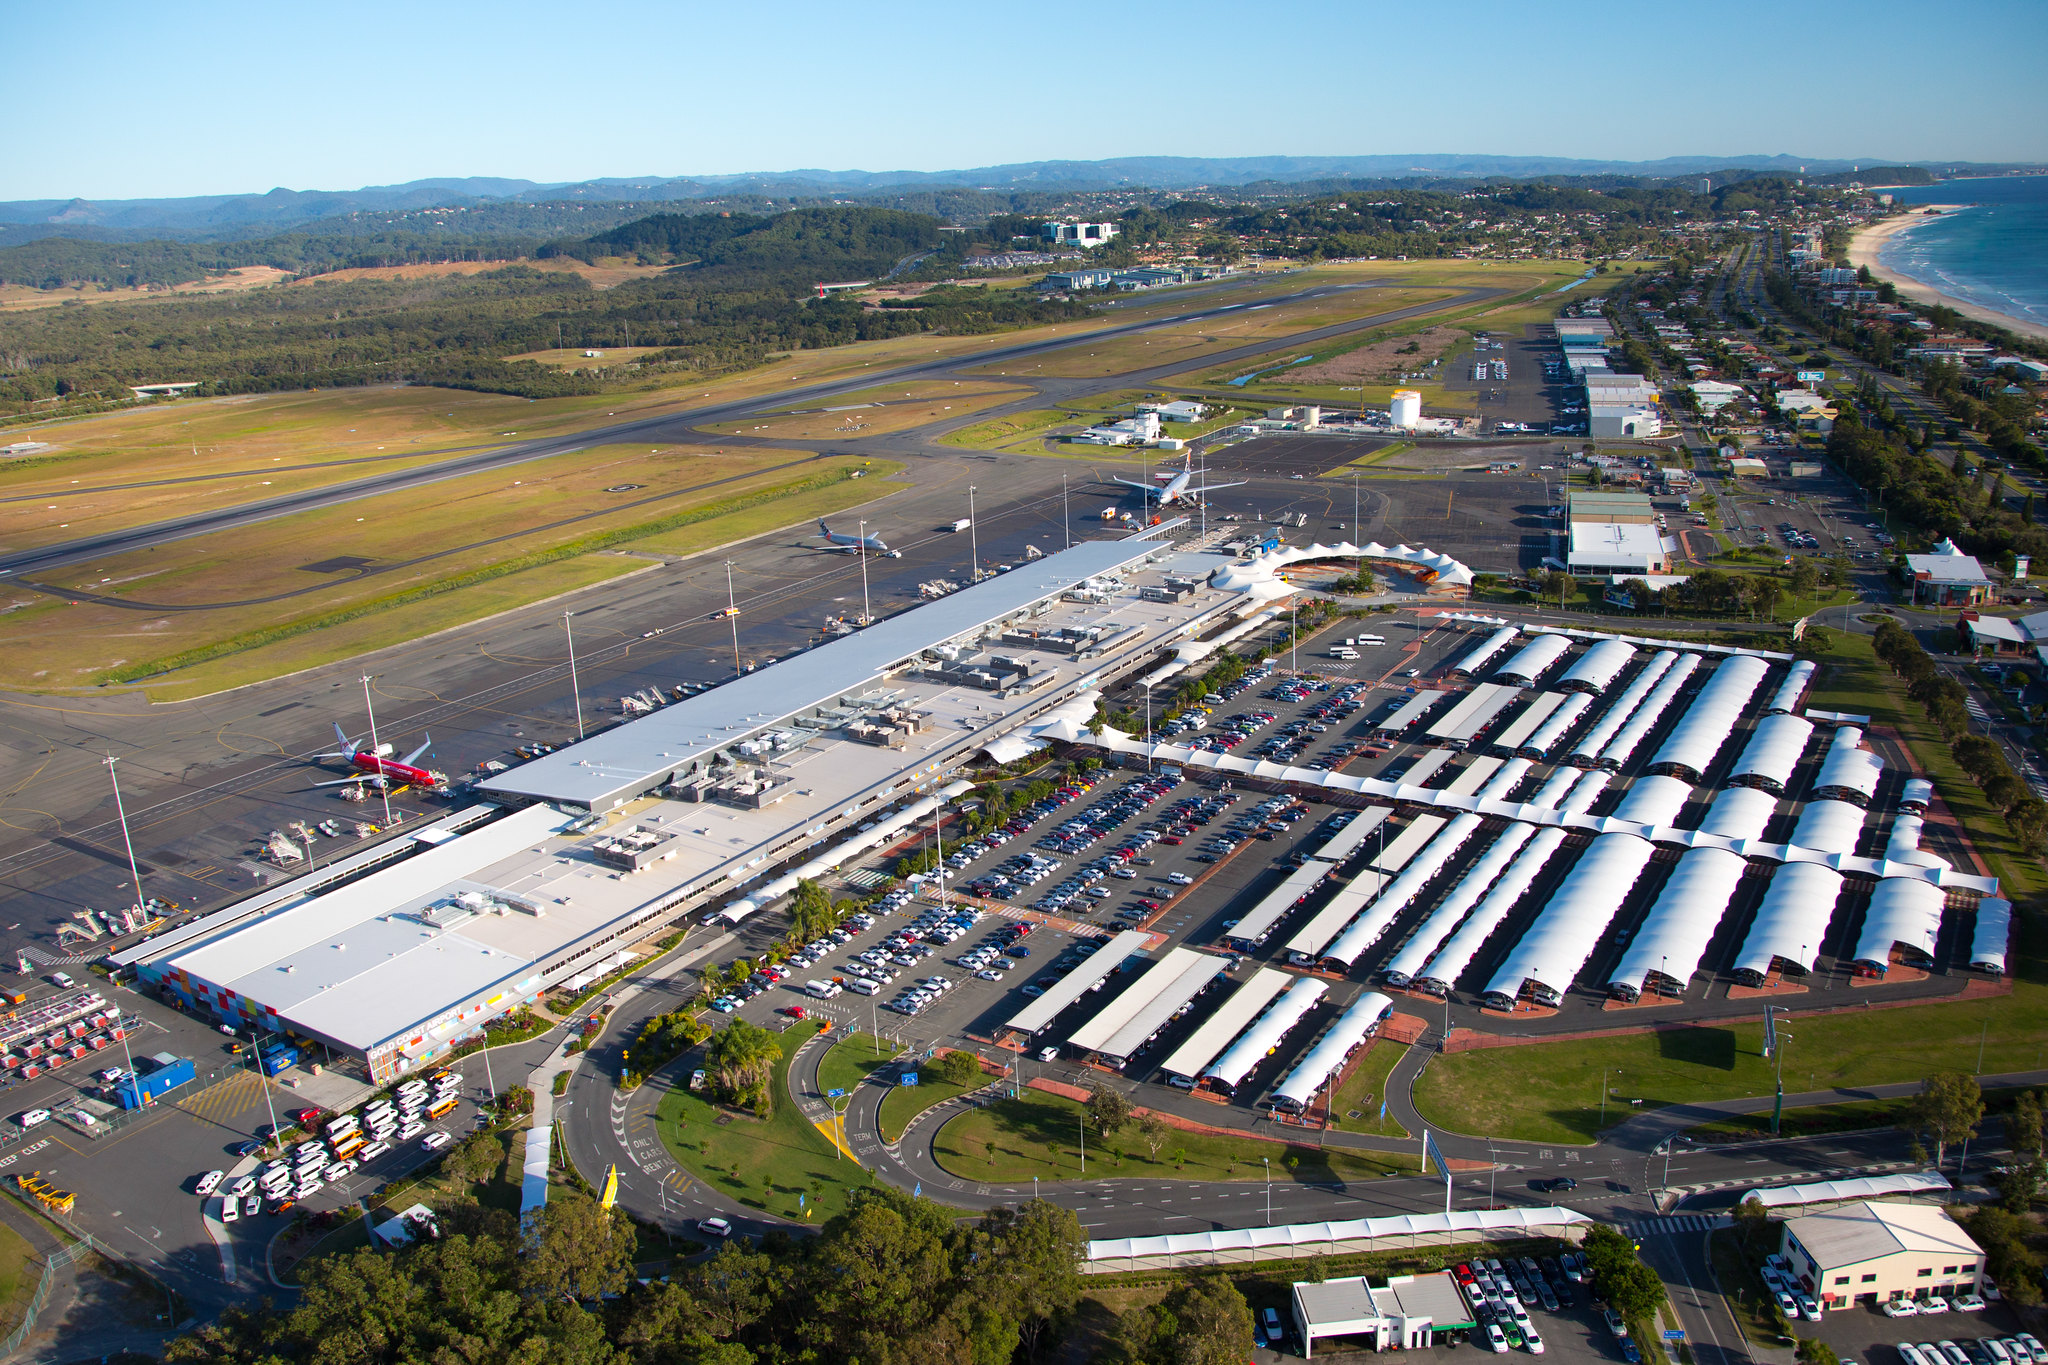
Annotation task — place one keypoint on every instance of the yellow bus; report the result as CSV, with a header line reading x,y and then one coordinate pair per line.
x,y
441,1108
348,1146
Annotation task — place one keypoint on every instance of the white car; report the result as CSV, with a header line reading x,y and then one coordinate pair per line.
x,y
243,1186
372,1152
230,1210
1531,1339
411,1131
33,1117
210,1182
1180,879
1901,1308
436,1141
252,1206
1966,1302
338,1170
1934,1303
1496,1339
714,1227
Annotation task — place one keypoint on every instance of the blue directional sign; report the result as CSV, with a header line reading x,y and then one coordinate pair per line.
x,y
909,1078
834,1093
1674,1334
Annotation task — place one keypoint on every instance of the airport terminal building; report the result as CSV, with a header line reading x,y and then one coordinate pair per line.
x,y
715,804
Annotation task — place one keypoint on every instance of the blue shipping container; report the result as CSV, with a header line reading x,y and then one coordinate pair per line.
x,y
137,1091
277,1059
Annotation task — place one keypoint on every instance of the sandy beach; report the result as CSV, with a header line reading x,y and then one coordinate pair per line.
x,y
1864,249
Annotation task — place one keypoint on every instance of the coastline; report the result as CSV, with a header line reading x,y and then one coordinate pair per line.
x,y
1865,247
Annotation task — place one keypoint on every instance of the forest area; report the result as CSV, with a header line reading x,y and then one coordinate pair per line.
x,y
744,296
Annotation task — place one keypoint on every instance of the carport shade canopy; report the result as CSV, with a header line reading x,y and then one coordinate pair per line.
x,y
1786,698
1533,660
1474,712
1457,955
1226,1023
1602,732
1223,1241
1681,923
1244,1056
1414,709
1122,1026
1551,732
1711,718
1451,911
1792,920
1378,917
1650,714
1850,772
1071,987
1576,918
1598,667
1992,936
1479,657
1526,724
1773,751
1280,902
1828,827
1905,913
1323,1061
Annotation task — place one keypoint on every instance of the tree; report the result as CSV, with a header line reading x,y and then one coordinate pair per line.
x,y
960,1068
1805,578
577,1250
1816,1352
1203,1321
740,1061
476,1160
1632,1287
735,1288
1108,1109
2023,1128
1948,1108
1153,1132
1560,588
1754,1221
1031,1271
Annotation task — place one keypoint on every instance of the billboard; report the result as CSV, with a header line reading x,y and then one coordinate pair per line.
x,y
1812,376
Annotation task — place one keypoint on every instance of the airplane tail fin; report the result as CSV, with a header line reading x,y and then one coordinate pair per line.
x,y
823,529
343,739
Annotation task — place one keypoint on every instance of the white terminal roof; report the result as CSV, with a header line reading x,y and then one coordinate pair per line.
x,y
357,963
635,757
1947,564
1611,544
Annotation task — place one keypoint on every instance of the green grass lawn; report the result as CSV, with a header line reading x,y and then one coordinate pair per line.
x,y
1813,1119
905,1102
852,1059
765,1165
1039,1135
20,1269
1365,1091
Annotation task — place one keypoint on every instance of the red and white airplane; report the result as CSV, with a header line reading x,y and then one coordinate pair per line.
x,y
380,771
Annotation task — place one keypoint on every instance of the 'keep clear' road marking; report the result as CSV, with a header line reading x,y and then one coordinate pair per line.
x,y
31,1150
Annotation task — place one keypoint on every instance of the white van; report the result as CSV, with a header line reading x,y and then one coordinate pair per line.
x,y
1345,652
860,985
822,990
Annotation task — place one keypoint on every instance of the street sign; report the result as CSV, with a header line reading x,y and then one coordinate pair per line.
x,y
1675,1334
909,1078
835,1093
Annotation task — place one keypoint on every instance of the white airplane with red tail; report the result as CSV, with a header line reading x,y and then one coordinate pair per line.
x,y
380,771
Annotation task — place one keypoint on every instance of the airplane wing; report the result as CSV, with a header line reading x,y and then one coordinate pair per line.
x,y
1133,483
1210,488
413,757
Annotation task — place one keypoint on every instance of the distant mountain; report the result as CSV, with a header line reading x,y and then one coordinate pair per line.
x,y
221,217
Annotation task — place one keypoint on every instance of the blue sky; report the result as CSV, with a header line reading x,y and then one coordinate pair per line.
x,y
204,98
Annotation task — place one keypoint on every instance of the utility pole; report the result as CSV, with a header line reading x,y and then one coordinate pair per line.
x,y
134,868
861,550
383,782
973,538
732,615
575,687
1066,517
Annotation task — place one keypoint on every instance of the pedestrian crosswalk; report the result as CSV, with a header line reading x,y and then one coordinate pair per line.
x,y
1672,1224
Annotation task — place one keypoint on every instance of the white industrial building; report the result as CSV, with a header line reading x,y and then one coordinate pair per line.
x,y
1079,234
1616,547
1405,411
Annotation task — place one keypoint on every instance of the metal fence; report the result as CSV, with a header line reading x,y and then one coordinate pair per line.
x,y
12,1341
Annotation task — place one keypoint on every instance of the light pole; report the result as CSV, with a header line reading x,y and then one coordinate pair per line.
x,y
1268,1164
1066,517
575,687
255,1056
135,870
732,610
973,538
861,550
1492,1169
383,783
1083,1121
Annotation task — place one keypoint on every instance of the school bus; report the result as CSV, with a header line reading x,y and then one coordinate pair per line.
x,y
348,1146
441,1108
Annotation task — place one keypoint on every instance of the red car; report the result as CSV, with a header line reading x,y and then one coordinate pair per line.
x,y
796,1011
1463,1272
303,1117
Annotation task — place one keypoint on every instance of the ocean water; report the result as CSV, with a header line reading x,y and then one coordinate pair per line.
x,y
1993,254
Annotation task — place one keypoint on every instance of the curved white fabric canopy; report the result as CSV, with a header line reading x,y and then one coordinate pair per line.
x,y
1553,730
1443,970
1259,569
1451,911
1681,923
1829,827
1533,660
1353,1027
1903,913
1378,917
1576,918
1597,668
1786,698
1241,1058
1222,1241
1623,746
1654,801
1487,650
1603,730
1792,921
1772,753
1740,813
1712,717
1993,935
1850,772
